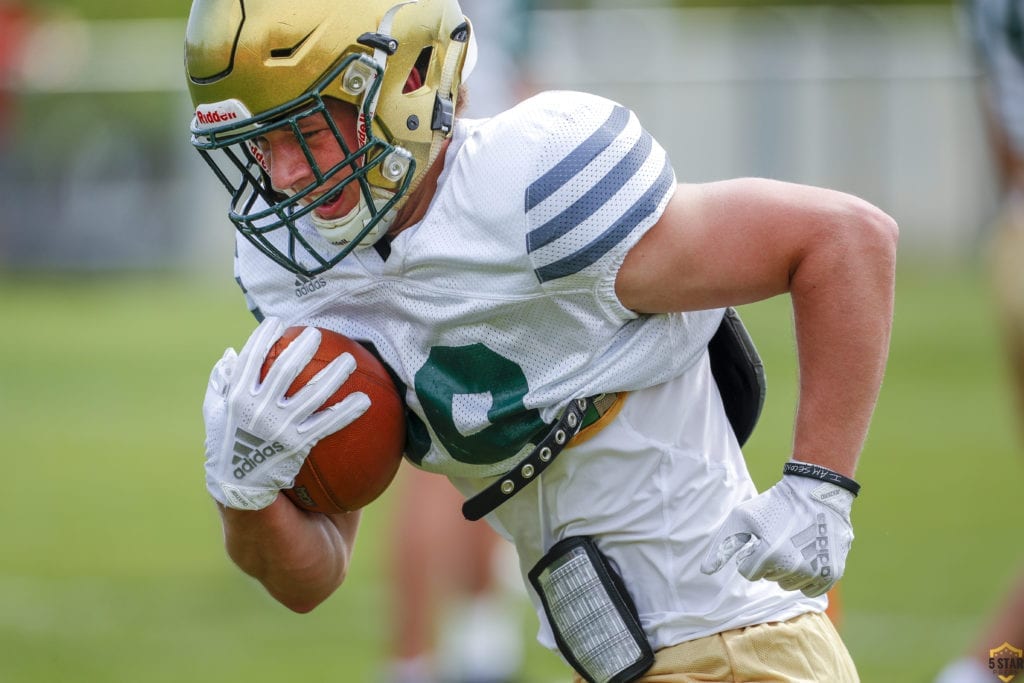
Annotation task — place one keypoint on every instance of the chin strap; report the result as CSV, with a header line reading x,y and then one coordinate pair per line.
x,y
443,122
461,60
380,55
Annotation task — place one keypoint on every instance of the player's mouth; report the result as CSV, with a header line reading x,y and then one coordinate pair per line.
x,y
334,206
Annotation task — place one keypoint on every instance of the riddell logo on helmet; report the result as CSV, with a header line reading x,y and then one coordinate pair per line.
x,y
208,118
361,132
259,156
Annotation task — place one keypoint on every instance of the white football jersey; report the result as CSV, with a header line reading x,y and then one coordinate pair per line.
x,y
499,307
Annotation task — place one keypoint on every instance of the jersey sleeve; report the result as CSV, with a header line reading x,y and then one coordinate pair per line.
x,y
601,182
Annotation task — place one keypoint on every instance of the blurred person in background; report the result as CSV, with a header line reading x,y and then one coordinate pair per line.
x,y
15,22
558,309
456,618
997,35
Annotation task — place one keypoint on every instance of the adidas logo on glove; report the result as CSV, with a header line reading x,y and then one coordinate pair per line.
x,y
251,451
816,549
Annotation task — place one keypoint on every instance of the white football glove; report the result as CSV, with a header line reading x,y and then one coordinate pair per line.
x,y
796,533
256,438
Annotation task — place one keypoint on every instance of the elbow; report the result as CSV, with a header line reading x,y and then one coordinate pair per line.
x,y
853,251
875,238
885,238
301,606
887,233
303,601
303,594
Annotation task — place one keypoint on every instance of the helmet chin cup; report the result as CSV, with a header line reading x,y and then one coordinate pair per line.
x,y
346,229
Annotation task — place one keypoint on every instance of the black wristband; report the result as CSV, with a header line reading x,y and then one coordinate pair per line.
x,y
806,469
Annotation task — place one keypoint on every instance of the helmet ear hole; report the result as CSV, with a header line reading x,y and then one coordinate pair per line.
x,y
418,75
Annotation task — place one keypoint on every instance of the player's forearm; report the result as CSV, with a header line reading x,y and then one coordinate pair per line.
x,y
843,293
299,557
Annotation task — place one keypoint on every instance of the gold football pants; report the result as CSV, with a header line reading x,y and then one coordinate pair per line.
x,y
805,649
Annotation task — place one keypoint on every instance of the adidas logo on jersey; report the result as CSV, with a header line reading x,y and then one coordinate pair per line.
x,y
304,286
250,452
813,544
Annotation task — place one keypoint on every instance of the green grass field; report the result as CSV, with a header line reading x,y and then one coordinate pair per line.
x,y
112,570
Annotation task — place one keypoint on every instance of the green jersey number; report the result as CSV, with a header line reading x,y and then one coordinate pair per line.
x,y
474,375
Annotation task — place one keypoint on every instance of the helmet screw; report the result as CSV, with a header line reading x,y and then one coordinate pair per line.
x,y
357,78
413,122
395,165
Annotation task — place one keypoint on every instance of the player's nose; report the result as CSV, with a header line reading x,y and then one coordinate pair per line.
x,y
290,168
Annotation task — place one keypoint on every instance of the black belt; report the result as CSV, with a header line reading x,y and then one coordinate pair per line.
x,y
580,413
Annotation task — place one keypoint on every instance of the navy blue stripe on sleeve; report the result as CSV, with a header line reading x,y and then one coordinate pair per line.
x,y
647,205
584,207
577,160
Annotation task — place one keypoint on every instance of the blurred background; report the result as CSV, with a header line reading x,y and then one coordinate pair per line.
x,y
116,296
875,99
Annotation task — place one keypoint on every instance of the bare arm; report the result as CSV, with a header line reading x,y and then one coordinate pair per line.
x,y
300,557
739,241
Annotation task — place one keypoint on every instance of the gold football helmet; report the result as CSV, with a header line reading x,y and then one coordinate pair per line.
x,y
256,66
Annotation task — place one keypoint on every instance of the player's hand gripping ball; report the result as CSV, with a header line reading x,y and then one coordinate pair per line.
x,y
350,468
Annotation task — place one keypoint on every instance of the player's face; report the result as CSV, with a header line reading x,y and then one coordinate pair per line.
x,y
290,170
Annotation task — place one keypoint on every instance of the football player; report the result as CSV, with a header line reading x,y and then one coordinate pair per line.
x,y
557,307
997,32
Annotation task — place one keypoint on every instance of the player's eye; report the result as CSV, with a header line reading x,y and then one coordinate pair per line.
x,y
315,131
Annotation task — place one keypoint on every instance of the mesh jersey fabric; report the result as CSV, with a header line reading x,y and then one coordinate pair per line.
x,y
499,307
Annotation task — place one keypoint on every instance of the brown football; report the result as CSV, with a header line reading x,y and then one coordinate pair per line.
x,y
350,468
